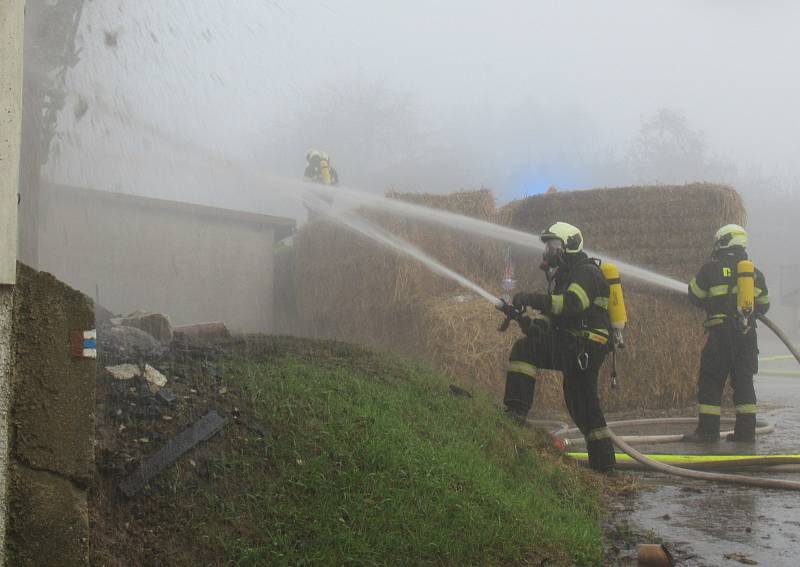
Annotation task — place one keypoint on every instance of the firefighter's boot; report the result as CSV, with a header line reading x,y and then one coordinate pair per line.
x,y
745,428
601,455
707,430
518,397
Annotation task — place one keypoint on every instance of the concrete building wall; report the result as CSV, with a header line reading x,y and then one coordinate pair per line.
x,y
11,26
194,263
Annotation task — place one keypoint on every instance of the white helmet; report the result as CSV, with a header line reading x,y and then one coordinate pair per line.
x,y
570,236
730,235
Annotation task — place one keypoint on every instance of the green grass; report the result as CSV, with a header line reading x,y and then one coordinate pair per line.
x,y
372,461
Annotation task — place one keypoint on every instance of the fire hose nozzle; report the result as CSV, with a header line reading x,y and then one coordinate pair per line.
x,y
511,313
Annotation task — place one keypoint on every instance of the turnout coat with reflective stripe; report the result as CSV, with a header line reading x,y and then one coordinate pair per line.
x,y
714,288
579,299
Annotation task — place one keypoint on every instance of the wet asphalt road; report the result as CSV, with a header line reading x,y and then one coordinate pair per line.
x,y
714,520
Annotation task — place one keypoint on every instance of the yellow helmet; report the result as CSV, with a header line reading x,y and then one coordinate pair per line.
x,y
570,236
730,235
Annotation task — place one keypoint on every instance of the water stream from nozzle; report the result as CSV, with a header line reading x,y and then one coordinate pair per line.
x,y
477,227
366,228
294,188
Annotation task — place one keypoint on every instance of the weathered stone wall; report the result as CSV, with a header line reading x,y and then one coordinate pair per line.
x,y
6,356
52,425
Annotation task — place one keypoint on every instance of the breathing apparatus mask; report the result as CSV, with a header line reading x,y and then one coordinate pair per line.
x,y
553,254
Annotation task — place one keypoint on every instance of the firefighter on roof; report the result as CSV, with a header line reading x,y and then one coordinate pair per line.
x,y
319,169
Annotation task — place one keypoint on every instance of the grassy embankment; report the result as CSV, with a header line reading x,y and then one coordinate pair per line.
x,y
371,460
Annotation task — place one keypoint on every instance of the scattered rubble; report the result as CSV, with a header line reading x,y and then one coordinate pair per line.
x,y
145,403
154,378
118,344
166,396
157,325
123,371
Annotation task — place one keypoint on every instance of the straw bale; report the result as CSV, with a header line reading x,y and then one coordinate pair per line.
x,y
667,229
654,369
352,289
479,204
463,341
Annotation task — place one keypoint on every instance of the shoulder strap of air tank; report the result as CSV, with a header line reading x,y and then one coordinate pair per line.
x,y
587,260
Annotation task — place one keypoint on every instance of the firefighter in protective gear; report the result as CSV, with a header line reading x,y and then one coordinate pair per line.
x,y
732,345
569,333
319,169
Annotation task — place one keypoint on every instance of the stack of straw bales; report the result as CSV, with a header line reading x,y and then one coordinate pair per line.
x,y
664,228
351,289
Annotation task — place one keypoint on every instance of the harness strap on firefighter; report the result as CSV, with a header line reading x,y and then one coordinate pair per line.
x,y
596,335
715,319
614,368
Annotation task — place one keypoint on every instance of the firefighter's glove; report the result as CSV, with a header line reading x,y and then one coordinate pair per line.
x,y
533,327
506,308
524,324
538,301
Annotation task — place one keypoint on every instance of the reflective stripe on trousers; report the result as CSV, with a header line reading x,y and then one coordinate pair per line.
x,y
708,409
598,434
522,367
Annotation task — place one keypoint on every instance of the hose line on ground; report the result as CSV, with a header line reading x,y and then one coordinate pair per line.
x,y
775,358
761,428
718,477
685,472
781,335
703,475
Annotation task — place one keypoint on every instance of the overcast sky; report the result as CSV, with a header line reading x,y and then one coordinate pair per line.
x,y
214,101
432,96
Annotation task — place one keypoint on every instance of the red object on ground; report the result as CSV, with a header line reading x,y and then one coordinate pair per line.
x,y
559,443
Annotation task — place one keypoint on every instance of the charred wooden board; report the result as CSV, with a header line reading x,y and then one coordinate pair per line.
x,y
202,430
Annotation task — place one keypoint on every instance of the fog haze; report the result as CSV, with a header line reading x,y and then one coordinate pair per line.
x,y
214,101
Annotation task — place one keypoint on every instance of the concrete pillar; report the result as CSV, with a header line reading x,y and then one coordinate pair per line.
x,y
11,12
11,26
